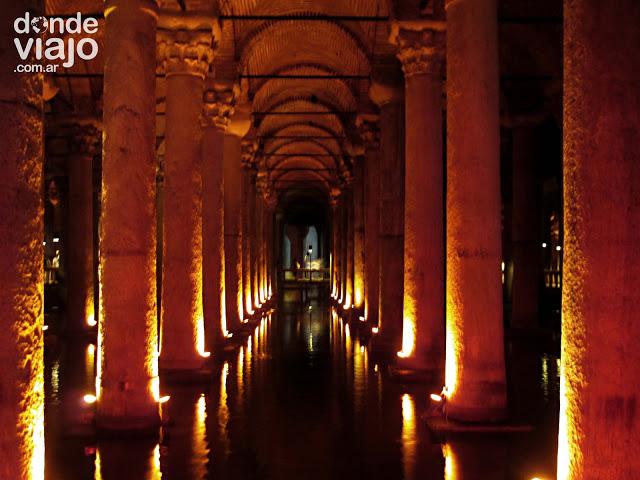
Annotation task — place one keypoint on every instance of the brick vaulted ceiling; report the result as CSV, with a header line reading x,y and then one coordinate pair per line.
x,y
305,69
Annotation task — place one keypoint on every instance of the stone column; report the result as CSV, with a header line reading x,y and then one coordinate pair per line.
x,y
527,271
219,102
421,54
256,241
238,127
349,244
475,369
21,260
127,362
600,371
358,235
248,226
368,126
81,313
391,217
185,55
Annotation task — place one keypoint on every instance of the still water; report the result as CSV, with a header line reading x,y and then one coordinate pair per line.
x,y
302,398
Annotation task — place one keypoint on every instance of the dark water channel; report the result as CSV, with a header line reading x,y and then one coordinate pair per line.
x,y
302,399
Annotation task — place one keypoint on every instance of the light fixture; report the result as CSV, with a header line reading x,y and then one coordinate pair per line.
x,y
45,328
164,399
56,239
558,248
88,398
375,330
435,397
544,244
205,354
361,318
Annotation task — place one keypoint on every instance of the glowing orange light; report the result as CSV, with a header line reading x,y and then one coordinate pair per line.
x,y
164,399
90,399
91,320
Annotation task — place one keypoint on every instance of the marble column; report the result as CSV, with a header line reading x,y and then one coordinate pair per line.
x,y
232,164
349,245
421,52
475,368
369,130
391,239
358,235
127,353
81,313
600,371
21,260
525,226
219,100
185,56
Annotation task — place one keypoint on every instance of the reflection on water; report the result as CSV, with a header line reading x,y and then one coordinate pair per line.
x,y
302,397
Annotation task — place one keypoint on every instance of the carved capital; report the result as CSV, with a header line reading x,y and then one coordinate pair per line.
x,y
219,102
369,129
185,51
421,52
248,153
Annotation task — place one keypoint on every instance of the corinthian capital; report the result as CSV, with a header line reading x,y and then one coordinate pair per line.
x,y
369,129
421,51
219,103
248,153
185,51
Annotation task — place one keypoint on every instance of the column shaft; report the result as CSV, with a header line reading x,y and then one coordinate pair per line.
x,y
358,236
391,226
233,231
182,314
525,227
600,372
79,241
127,330
21,260
372,235
475,373
423,306
213,252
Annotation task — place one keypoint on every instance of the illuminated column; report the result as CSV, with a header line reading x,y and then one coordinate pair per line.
x,y
358,235
127,369
238,127
256,236
79,242
368,126
600,372
525,225
423,306
349,243
475,370
185,56
218,107
335,247
21,261
391,180
248,225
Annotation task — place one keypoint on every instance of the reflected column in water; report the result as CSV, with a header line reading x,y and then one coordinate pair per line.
x,y
480,459
131,460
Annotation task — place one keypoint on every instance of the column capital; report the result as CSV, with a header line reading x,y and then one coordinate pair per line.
x,y
334,197
249,148
420,47
369,128
219,102
185,52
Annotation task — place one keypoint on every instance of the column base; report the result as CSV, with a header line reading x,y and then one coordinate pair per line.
x,y
443,426
186,375
135,426
416,370
477,414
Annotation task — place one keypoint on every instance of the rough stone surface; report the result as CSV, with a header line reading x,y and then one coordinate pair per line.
x,y
600,370
475,375
21,254
127,330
